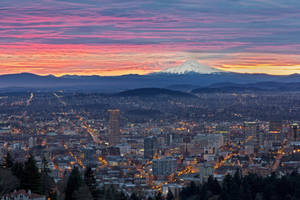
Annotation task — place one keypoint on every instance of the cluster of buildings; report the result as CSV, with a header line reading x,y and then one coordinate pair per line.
x,y
23,195
150,157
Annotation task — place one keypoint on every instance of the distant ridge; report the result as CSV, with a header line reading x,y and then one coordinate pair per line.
x,y
154,92
252,87
112,84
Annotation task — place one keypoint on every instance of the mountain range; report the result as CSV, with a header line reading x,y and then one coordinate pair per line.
x,y
186,77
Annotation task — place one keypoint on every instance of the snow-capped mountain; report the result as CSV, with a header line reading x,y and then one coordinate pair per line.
x,y
191,66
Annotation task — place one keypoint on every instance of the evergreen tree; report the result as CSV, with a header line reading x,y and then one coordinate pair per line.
x,y
193,189
224,196
288,197
32,177
227,183
133,197
18,171
7,161
159,196
83,193
203,192
8,182
231,186
246,191
237,178
112,194
259,196
46,181
108,193
90,181
213,186
45,168
122,196
250,187
74,183
170,195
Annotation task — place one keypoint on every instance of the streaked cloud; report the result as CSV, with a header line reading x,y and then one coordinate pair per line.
x,y
118,37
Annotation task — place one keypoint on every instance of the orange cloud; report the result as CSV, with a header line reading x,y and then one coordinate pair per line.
x,y
108,60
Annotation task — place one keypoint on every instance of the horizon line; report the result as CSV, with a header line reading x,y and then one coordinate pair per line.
x,y
137,74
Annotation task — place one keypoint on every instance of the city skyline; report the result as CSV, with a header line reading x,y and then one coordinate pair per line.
x,y
114,38
150,100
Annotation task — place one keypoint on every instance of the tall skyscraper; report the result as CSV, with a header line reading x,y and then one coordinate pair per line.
x,y
149,147
275,127
294,132
114,127
275,130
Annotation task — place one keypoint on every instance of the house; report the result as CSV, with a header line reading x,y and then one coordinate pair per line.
x,y
23,195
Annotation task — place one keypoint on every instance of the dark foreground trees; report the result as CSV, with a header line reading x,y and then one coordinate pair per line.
x,y
84,187
80,185
250,187
14,175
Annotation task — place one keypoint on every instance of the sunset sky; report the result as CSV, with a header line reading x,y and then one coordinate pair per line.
x,y
114,37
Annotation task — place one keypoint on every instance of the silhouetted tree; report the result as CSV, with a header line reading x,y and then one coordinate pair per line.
x,y
213,186
83,193
170,196
18,171
74,183
32,177
133,196
90,181
8,182
7,161
46,181
159,196
250,187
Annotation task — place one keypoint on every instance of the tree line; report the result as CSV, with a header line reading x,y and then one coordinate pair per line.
x,y
27,176
249,187
83,186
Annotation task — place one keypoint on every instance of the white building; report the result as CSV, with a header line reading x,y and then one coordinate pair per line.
x,y
206,170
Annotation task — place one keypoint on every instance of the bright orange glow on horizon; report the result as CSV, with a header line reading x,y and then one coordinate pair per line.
x,y
264,69
111,60
118,37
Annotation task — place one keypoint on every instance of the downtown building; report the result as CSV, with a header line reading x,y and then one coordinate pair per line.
x,y
164,166
114,127
150,147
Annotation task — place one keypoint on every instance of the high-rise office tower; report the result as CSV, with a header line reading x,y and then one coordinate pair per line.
x,y
250,128
294,131
149,147
275,127
275,130
114,127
